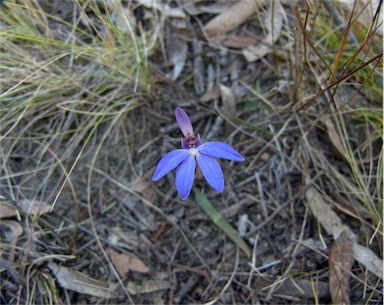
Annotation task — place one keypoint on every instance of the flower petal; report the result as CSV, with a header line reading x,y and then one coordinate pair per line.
x,y
184,177
220,150
170,161
212,171
184,122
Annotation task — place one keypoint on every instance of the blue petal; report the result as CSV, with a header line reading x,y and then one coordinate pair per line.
x,y
212,171
184,177
220,150
169,162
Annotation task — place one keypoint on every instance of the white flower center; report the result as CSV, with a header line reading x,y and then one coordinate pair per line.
x,y
193,151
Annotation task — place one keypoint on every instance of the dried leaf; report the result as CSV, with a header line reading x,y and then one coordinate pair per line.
x,y
334,226
193,7
273,23
323,213
144,188
234,41
177,50
120,261
110,40
164,8
364,13
229,106
147,286
340,264
33,207
303,288
198,66
79,282
189,7
232,18
140,186
6,211
335,138
210,94
11,230
256,52
124,263
369,259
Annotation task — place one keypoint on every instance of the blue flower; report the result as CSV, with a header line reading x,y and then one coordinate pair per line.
x,y
192,150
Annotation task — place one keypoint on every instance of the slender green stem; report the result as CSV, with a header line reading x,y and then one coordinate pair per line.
x,y
219,221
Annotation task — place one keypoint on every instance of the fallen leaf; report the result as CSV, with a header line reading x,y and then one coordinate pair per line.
x,y
340,264
369,259
79,282
333,225
145,188
198,66
273,23
125,263
232,18
303,288
210,94
110,40
177,50
189,7
6,211
33,207
193,7
11,230
256,52
243,225
229,106
164,8
147,286
335,138
234,41
121,17
323,213
364,12
140,186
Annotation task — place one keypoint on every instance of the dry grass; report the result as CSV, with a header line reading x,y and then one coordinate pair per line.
x,y
87,110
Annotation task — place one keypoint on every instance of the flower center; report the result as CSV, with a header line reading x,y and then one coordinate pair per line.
x,y
191,140
193,151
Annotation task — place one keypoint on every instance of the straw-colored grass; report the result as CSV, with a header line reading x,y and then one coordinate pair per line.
x,y
86,111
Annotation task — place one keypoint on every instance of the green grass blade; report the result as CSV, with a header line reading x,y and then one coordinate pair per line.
x,y
219,221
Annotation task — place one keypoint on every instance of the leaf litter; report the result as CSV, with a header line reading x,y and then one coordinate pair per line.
x,y
340,268
242,75
334,226
124,263
79,282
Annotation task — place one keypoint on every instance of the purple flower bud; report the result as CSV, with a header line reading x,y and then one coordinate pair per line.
x,y
184,122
